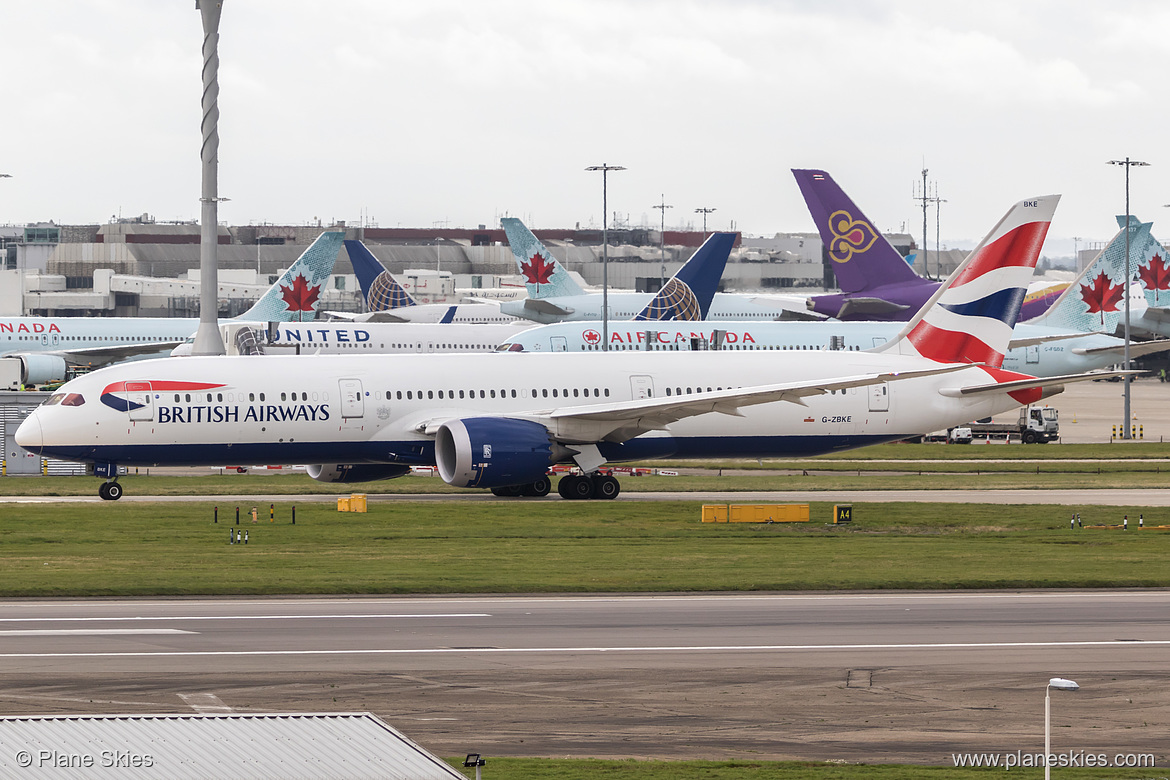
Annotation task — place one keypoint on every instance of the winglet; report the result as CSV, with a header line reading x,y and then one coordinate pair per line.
x,y
543,275
970,317
296,296
382,292
687,295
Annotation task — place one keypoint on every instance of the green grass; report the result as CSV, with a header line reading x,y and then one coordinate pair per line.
x,y
592,769
144,549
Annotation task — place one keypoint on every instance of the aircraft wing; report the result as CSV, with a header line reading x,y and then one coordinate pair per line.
x,y
1158,313
855,306
623,420
1136,349
1034,340
545,306
1054,383
113,353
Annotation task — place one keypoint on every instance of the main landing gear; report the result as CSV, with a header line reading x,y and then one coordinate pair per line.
x,y
110,491
537,489
587,486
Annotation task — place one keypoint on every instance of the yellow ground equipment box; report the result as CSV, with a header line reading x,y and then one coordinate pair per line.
x,y
714,513
755,513
355,503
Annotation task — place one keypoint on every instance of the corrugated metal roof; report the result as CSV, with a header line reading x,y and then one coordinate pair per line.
x,y
237,745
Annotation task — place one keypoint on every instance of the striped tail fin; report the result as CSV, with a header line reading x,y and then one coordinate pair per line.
x,y
971,316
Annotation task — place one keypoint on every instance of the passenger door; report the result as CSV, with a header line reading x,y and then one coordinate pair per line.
x,y
352,399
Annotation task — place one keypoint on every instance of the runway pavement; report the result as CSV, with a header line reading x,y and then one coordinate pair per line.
x,y
869,677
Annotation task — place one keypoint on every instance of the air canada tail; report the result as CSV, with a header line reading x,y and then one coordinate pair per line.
x,y
296,296
687,295
543,275
971,316
1095,300
381,291
862,257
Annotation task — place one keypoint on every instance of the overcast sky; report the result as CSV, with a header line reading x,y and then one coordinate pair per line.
x,y
458,112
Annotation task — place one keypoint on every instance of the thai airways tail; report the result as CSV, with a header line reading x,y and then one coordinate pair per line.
x,y
1095,300
543,275
381,291
296,296
688,294
862,257
970,317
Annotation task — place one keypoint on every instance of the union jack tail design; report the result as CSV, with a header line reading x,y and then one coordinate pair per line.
x,y
971,316
381,290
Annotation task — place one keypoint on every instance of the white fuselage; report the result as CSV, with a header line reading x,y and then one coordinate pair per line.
x,y
1052,358
627,305
381,409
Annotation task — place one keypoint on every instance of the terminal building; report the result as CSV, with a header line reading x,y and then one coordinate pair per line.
x,y
142,267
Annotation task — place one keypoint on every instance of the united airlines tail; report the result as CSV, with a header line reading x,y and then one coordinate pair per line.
x,y
970,317
296,296
687,295
543,275
380,289
862,257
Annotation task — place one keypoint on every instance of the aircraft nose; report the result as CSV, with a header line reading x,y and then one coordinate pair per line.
x,y
28,435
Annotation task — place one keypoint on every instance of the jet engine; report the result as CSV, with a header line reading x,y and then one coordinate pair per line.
x,y
358,472
489,452
39,369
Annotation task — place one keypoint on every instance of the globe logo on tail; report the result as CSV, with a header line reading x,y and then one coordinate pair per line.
x,y
675,301
386,294
850,236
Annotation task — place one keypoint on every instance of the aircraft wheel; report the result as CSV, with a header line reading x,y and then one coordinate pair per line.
x,y
606,487
110,491
102,491
581,488
539,488
564,485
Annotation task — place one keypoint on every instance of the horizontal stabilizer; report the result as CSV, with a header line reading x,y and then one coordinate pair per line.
x,y
1156,313
1027,384
1136,349
867,307
546,307
1034,340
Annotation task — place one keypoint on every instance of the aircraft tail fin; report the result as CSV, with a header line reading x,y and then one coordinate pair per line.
x,y
1148,263
970,317
1095,300
687,295
862,257
543,275
381,290
296,296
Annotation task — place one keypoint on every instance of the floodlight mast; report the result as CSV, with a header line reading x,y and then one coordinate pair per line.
x,y
1126,430
605,168
207,338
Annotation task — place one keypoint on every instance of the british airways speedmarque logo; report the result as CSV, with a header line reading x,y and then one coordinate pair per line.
x,y
113,394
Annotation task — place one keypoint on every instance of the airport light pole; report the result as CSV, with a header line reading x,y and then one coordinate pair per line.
x,y
1060,684
207,338
605,168
1126,432
662,240
704,211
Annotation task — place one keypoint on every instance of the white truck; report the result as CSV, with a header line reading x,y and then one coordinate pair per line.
x,y
1036,425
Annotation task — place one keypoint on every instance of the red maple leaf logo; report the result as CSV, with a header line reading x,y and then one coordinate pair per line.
x,y
1155,276
536,270
300,297
592,337
1102,295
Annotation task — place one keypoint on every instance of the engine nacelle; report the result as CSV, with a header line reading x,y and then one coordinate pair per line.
x,y
39,369
358,472
488,452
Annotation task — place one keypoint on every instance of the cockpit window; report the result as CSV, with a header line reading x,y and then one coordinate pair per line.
x,y
54,399
73,399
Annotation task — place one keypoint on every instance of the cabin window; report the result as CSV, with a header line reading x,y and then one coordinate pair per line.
x,y
219,397
262,396
282,396
440,394
493,393
513,392
607,392
188,398
251,397
430,394
574,392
